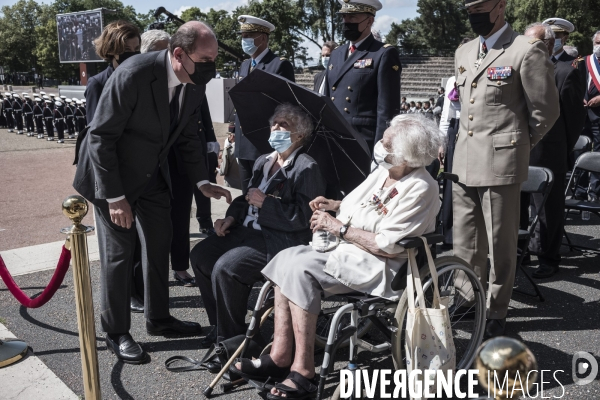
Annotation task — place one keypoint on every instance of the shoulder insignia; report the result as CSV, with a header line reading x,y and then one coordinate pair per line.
x,y
459,46
387,45
283,58
534,40
575,63
395,68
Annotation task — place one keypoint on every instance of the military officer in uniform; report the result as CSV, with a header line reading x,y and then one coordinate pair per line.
x,y
17,110
255,42
508,102
59,121
38,115
7,109
49,119
70,116
80,116
2,117
28,114
562,28
319,79
363,76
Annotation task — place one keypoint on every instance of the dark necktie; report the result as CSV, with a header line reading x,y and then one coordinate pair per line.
x,y
174,108
553,59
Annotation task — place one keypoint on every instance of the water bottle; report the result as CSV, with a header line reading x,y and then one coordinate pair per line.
x,y
585,215
323,241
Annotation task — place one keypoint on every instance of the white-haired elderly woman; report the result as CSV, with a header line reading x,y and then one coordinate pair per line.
x,y
274,215
398,199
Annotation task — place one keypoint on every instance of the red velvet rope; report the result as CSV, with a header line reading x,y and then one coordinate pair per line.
x,y
46,295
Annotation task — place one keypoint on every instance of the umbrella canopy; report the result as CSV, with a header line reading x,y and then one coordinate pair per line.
x,y
341,153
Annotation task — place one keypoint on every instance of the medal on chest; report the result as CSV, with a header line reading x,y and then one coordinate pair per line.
x,y
380,204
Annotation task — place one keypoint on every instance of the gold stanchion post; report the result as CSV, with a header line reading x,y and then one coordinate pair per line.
x,y
76,207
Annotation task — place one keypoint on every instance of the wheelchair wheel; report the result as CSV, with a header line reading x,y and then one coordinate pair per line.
x,y
328,308
467,333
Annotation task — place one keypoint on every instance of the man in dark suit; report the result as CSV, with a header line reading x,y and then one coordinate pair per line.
x,y
149,103
255,42
319,84
552,152
561,28
363,77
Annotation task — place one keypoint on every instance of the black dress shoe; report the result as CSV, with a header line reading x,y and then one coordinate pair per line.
x,y
136,305
126,349
210,339
545,271
494,328
172,327
461,313
187,282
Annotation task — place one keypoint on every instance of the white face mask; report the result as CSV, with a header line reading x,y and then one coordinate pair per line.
x,y
380,153
597,51
325,61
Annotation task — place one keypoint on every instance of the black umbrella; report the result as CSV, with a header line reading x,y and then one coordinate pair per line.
x,y
342,154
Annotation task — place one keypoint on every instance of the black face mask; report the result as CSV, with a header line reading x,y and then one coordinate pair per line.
x,y
203,71
351,31
480,22
126,55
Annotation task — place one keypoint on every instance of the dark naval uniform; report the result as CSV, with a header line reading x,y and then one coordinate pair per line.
x,y
70,116
7,108
244,149
80,118
2,117
59,122
18,115
564,57
365,86
28,113
49,120
38,114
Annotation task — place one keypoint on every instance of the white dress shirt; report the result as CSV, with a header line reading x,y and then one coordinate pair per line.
x,y
451,108
260,56
356,44
172,83
491,41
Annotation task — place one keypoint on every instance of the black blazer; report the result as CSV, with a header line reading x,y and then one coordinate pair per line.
x,y
564,57
244,149
319,80
129,136
285,216
93,90
553,150
593,114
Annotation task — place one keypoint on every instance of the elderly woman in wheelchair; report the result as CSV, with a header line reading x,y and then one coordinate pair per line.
x,y
397,200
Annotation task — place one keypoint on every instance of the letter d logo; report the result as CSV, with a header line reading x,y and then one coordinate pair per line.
x,y
589,366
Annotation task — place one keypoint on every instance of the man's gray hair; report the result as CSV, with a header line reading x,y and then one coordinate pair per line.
x,y
297,117
149,39
571,50
595,34
187,34
548,32
416,140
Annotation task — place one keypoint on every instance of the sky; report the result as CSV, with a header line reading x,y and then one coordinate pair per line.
x,y
392,11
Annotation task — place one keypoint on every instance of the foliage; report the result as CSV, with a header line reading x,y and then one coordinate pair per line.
x,y
17,35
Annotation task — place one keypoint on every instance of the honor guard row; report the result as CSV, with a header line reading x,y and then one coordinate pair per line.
x,y
42,114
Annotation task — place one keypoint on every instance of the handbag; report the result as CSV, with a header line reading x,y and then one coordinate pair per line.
x,y
429,345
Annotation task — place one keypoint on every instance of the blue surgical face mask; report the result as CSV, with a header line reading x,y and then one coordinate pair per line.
x,y
325,61
280,141
248,46
557,45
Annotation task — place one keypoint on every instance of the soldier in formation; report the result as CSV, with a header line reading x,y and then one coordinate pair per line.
x,y
17,110
49,119
28,114
38,116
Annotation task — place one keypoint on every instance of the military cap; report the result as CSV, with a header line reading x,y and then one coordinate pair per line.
x,y
48,101
52,95
37,99
42,93
45,97
7,94
63,97
58,103
24,94
560,25
248,23
16,95
359,6
74,98
469,3
83,101
68,100
78,102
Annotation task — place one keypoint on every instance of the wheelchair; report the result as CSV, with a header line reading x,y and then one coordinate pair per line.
x,y
389,317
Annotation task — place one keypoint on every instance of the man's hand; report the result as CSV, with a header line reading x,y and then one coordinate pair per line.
x,y
120,213
441,154
323,204
215,192
222,226
594,102
323,221
255,197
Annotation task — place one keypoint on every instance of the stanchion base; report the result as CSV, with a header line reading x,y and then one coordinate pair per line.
x,y
12,351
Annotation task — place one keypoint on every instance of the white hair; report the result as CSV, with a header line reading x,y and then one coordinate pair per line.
x,y
571,50
595,34
149,39
548,32
416,140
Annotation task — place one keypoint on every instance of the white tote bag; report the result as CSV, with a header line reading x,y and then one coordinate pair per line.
x,y
429,345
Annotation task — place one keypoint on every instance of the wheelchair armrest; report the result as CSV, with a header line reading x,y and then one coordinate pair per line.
x,y
448,176
415,242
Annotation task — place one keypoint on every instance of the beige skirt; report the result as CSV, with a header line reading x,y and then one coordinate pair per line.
x,y
299,273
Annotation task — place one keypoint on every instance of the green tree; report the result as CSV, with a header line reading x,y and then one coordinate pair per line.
x,y
17,35
320,20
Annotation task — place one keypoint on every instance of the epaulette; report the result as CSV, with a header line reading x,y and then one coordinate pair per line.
x,y
387,45
575,63
534,40
283,58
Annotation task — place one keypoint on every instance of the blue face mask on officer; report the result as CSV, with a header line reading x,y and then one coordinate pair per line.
x,y
557,45
325,61
249,46
280,140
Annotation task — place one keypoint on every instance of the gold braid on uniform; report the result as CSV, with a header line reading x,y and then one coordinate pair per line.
x,y
348,8
254,28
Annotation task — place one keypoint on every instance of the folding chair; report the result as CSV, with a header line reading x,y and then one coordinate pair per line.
x,y
583,145
539,181
587,162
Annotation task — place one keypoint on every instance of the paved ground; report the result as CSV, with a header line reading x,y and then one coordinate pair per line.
x,y
554,330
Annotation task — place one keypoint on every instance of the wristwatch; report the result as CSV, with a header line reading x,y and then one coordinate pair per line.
x,y
343,231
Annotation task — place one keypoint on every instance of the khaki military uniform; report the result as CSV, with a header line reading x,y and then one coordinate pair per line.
x,y
508,103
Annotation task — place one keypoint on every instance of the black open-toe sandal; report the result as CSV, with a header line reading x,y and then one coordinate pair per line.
x,y
267,369
305,388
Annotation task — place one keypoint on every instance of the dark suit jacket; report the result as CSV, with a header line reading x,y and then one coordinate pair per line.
x,y
593,114
244,149
93,90
553,149
367,93
564,57
319,80
129,136
285,218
